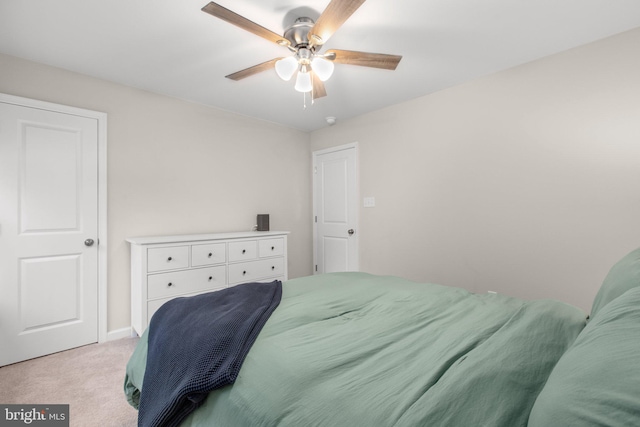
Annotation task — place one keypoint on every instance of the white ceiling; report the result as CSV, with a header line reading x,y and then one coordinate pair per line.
x,y
172,47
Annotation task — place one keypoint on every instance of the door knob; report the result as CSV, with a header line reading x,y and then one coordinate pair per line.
x,y
89,242
351,231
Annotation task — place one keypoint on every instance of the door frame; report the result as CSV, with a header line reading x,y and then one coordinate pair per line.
x,y
314,155
101,118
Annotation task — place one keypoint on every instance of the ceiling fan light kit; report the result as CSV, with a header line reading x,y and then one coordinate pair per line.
x,y
286,67
303,61
303,80
322,68
305,38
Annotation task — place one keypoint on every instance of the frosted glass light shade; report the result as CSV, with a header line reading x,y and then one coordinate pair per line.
x,y
303,82
322,68
286,68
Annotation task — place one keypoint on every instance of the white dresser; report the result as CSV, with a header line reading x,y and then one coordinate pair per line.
x,y
166,267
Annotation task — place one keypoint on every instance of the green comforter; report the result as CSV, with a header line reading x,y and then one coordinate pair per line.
x,y
352,349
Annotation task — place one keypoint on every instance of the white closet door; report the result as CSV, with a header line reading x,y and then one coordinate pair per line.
x,y
335,196
48,213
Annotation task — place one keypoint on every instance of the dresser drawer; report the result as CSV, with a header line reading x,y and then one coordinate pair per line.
x,y
154,305
185,282
213,253
171,258
250,271
243,251
270,247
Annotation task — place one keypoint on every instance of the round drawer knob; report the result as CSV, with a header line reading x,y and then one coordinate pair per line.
x,y
169,259
210,254
273,267
244,251
210,278
273,247
244,272
170,284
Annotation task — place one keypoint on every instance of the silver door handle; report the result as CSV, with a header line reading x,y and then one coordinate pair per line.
x,y
351,231
89,242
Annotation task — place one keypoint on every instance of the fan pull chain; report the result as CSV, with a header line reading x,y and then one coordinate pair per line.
x,y
304,95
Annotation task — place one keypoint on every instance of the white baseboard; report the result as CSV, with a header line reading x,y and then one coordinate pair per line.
x,y
120,333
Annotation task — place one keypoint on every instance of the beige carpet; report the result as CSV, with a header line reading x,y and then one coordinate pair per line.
x,y
89,379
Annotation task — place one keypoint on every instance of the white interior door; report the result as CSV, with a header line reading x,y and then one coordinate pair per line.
x,y
48,211
335,200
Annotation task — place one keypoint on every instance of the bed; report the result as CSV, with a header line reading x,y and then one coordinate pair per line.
x,y
354,349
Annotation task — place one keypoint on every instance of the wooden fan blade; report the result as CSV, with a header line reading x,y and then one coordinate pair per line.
x,y
318,87
364,59
242,22
248,72
336,13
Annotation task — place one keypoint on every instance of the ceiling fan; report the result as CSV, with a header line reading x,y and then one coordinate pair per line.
x,y
305,38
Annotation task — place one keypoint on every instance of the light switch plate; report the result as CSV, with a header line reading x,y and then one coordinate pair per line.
x,y
369,202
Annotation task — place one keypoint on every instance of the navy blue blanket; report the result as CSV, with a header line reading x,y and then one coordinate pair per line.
x,y
198,344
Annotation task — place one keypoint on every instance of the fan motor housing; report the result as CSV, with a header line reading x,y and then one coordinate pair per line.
x,y
298,32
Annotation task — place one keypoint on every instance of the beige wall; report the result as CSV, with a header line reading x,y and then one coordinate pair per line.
x,y
175,167
525,182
